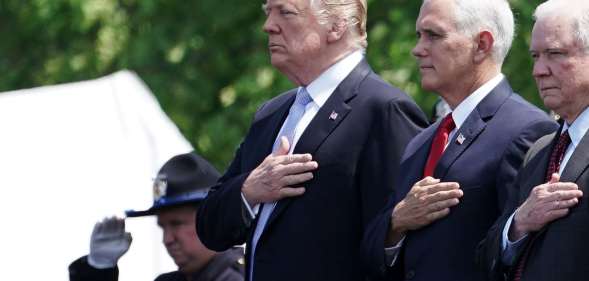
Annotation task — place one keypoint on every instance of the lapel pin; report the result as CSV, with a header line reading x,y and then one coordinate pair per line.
x,y
333,115
460,139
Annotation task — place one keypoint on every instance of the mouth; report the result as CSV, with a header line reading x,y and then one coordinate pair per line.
x,y
426,67
548,88
274,46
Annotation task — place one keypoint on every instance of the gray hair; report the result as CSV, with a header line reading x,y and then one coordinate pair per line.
x,y
578,16
352,11
474,16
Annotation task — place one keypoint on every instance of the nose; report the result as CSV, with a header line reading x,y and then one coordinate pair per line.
x,y
168,237
419,50
540,68
270,25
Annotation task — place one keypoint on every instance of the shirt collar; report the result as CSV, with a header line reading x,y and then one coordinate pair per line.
x,y
322,87
579,127
461,112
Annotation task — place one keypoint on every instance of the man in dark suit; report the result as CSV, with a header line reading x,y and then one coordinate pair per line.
x,y
544,234
318,161
456,174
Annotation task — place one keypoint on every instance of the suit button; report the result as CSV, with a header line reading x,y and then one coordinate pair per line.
x,y
410,274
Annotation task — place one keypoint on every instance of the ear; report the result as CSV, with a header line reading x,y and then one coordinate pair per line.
x,y
483,44
336,30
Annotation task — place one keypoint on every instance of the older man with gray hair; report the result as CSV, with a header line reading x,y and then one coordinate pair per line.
x,y
318,161
544,234
458,172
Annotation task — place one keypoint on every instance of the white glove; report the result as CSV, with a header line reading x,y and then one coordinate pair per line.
x,y
109,242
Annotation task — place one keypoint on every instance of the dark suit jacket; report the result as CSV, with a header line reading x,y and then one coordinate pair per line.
x,y
497,134
317,236
559,251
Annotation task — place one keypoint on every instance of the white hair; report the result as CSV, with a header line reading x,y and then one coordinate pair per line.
x,y
474,16
353,12
577,14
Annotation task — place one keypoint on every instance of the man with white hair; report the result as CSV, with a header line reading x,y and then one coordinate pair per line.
x,y
457,173
318,161
544,234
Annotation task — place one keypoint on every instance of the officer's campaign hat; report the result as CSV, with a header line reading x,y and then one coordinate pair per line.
x,y
184,179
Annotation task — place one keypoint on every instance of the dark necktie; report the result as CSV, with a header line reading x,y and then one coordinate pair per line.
x,y
438,144
553,167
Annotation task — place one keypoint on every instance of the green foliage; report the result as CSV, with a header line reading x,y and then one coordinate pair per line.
x,y
205,60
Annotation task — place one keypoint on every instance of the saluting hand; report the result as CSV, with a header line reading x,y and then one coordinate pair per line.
x,y
278,176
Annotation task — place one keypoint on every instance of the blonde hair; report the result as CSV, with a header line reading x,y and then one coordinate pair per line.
x,y
353,12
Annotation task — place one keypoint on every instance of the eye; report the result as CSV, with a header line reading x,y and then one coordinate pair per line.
x,y
432,35
555,53
286,12
534,55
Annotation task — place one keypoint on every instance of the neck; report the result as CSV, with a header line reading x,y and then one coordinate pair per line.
x,y
463,90
311,71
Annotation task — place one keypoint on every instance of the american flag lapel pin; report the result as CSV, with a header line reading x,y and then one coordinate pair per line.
x,y
333,115
460,139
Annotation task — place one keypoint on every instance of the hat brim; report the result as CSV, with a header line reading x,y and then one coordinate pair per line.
x,y
166,203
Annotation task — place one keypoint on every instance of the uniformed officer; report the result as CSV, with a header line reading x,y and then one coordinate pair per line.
x,y
180,185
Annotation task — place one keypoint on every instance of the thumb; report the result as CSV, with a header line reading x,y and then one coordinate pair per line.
x,y
284,146
555,178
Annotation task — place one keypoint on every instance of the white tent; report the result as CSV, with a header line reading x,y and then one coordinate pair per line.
x,y
71,154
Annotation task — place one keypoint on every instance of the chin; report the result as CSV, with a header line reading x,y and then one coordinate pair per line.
x,y
428,85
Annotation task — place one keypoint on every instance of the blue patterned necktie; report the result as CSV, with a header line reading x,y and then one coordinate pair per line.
x,y
288,130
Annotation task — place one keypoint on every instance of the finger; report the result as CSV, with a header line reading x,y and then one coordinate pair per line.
x,y
443,186
554,178
444,195
128,237
295,179
438,215
427,181
298,167
294,158
556,214
283,148
553,187
441,205
563,195
564,204
291,191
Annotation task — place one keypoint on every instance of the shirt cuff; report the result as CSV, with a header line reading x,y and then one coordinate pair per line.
x,y
252,211
510,249
391,253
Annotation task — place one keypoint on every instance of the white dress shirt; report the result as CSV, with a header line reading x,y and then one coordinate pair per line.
x,y
459,115
576,131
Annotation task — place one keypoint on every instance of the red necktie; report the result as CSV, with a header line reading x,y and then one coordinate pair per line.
x,y
438,144
553,167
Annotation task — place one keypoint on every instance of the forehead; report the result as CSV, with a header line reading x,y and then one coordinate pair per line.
x,y
176,213
553,32
299,4
436,14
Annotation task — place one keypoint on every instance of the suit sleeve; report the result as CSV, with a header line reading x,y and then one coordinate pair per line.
x,y
220,220
401,121
80,270
490,249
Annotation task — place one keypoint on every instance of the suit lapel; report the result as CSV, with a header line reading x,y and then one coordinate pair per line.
x,y
536,170
325,121
270,123
469,131
473,126
578,161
